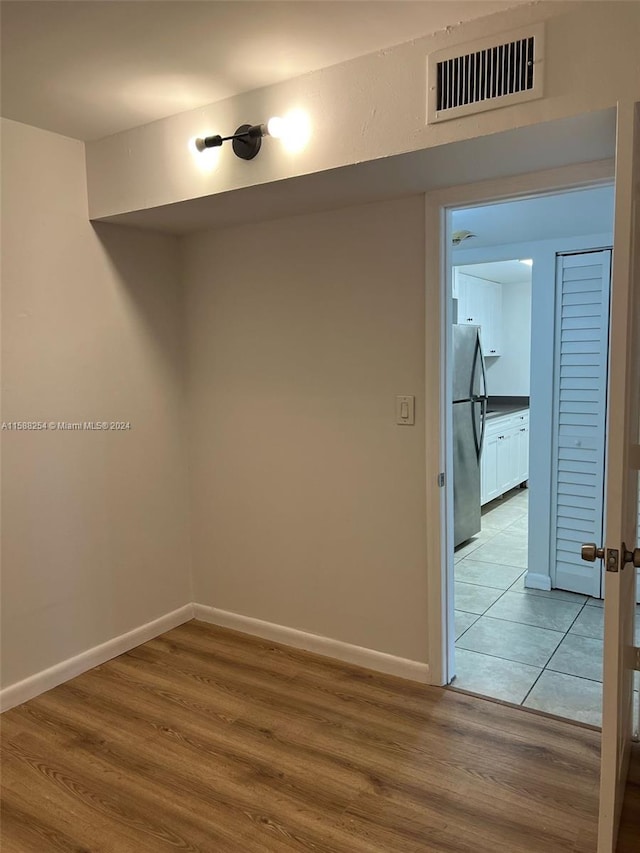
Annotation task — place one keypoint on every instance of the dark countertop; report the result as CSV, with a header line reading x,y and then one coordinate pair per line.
x,y
498,413
499,406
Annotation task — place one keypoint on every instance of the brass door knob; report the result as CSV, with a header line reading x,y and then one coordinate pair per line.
x,y
590,552
632,556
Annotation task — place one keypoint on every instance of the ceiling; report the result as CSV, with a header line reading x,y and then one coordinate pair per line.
x,y
91,68
504,272
570,214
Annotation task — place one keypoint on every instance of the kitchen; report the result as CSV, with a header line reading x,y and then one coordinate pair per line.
x,y
528,620
495,298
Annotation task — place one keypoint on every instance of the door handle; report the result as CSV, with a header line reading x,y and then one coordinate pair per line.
x,y
590,552
631,556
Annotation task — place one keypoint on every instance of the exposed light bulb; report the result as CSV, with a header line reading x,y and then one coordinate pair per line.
x,y
527,261
297,131
206,159
293,129
276,127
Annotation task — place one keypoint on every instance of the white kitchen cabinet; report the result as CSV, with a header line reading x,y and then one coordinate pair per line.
x,y
492,318
470,308
507,453
489,469
505,456
480,304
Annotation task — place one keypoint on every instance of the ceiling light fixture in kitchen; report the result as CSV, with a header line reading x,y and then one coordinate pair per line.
x,y
460,236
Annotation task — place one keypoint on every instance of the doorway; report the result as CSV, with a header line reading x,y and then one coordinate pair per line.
x,y
528,612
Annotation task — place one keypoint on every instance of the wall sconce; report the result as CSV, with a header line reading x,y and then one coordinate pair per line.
x,y
247,140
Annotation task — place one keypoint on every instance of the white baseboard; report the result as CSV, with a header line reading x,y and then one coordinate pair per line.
x,y
21,691
29,688
536,580
368,658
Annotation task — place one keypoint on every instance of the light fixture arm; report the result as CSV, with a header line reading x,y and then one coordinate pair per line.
x,y
246,141
293,129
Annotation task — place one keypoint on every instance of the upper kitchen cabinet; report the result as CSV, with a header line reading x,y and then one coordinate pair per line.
x,y
492,328
480,304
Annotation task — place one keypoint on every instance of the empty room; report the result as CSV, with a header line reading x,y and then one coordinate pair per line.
x,y
230,457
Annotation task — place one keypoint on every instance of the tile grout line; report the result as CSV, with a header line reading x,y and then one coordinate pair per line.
x,y
502,529
528,624
455,642
511,660
566,634
544,668
485,611
571,675
480,615
528,693
510,588
498,657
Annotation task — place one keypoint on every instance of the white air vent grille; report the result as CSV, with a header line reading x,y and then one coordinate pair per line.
x,y
488,76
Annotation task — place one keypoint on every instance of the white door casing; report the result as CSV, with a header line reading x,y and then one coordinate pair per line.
x,y
438,319
621,482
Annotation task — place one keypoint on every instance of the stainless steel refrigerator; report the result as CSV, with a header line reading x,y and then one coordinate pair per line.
x,y
469,415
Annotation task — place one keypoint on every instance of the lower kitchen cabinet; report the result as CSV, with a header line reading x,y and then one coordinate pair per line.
x,y
505,457
489,469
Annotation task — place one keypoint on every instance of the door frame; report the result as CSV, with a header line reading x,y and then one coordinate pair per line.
x,y
438,316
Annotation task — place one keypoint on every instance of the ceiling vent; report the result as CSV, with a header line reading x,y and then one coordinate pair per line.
x,y
486,74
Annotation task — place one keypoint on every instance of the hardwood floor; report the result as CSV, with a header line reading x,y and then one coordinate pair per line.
x,y
208,740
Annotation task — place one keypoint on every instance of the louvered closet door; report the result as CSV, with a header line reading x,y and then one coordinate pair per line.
x,y
580,395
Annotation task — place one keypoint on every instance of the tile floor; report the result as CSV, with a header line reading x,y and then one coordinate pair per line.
x,y
539,649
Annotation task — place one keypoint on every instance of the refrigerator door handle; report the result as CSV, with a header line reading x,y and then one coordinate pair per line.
x,y
484,372
479,443
485,396
484,421
478,356
481,398
476,439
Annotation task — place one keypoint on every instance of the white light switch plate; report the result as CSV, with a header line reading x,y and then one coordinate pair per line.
x,y
406,410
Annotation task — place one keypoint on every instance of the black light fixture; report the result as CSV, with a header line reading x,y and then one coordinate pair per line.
x,y
246,141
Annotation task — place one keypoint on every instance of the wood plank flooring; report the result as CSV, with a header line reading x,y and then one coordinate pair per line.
x,y
209,740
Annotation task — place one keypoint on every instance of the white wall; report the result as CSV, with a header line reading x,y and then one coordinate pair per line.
x,y
508,375
95,537
370,108
308,500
